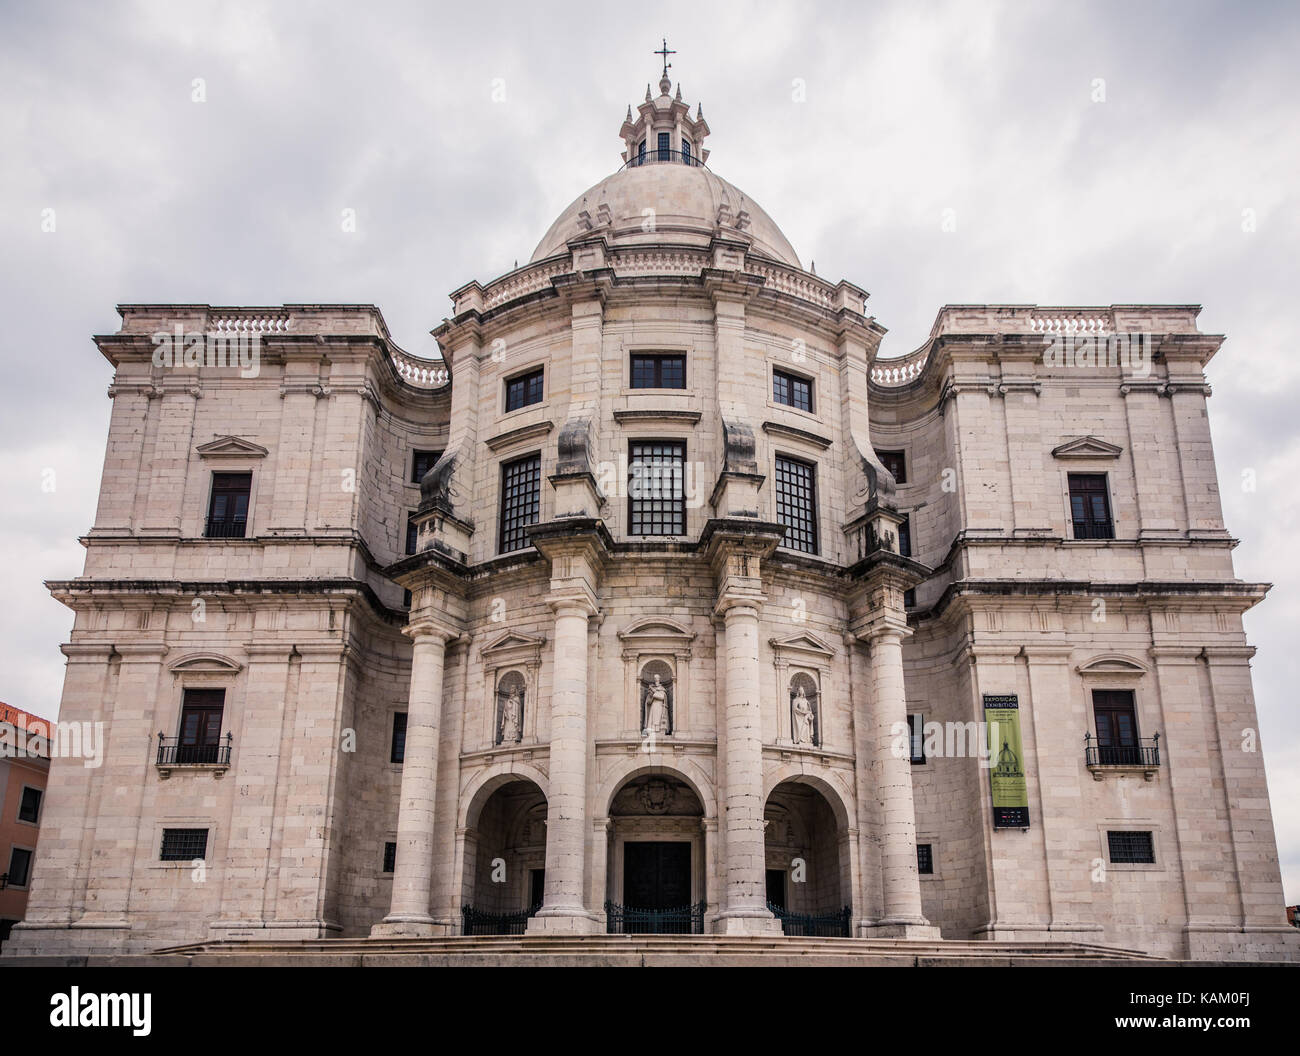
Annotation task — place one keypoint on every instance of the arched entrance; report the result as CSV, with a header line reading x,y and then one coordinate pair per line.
x,y
807,861
656,869
504,858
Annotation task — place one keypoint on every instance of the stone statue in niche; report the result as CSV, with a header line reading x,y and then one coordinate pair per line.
x,y
803,711
657,705
510,725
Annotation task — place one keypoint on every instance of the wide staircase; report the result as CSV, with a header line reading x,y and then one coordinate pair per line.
x,y
641,950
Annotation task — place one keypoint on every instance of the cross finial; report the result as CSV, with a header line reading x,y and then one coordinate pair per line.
x,y
664,52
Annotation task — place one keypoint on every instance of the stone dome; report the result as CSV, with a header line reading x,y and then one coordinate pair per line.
x,y
690,206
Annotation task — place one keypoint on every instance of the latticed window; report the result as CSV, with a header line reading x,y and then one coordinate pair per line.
x,y
796,503
686,151
397,751
525,389
184,845
792,390
656,493
1131,847
521,498
1090,506
925,859
665,146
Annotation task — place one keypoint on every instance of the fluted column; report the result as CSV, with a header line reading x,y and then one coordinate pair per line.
x,y
563,906
745,891
901,880
413,870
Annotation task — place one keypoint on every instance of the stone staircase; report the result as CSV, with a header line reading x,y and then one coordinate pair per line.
x,y
622,951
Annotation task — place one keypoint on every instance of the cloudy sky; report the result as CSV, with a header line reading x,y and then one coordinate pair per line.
x,y
1091,153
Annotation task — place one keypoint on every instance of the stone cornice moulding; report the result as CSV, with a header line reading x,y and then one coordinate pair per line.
x,y
789,432
657,415
1087,447
524,432
231,447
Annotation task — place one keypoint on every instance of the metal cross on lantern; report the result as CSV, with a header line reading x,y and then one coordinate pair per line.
x,y
665,52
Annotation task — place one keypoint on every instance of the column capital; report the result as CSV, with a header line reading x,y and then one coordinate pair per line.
x,y
574,600
426,627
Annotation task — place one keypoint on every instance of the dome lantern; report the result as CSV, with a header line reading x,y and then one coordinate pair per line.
x,y
662,130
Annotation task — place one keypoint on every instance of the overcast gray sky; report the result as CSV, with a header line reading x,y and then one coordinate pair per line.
x,y
910,109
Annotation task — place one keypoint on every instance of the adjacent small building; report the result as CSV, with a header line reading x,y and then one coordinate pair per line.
x,y
24,770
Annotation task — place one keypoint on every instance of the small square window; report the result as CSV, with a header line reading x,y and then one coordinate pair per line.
x,y
183,845
658,370
421,463
792,390
896,463
390,857
1130,847
397,752
30,807
524,390
20,867
924,859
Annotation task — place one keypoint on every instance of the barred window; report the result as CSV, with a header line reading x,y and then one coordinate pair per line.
x,y
656,494
390,857
658,370
521,499
792,390
1131,847
184,845
524,390
796,503
421,463
397,751
924,859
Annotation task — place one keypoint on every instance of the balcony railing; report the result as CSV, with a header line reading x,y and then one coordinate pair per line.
x,y
655,156
829,924
476,922
225,528
1094,529
171,752
1145,753
628,920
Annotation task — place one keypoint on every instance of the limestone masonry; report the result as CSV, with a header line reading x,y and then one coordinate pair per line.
x,y
660,605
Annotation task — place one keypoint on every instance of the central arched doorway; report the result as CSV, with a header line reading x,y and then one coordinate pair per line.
x,y
656,870
807,861
505,858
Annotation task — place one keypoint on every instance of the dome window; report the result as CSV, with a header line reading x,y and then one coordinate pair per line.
x,y
686,151
665,146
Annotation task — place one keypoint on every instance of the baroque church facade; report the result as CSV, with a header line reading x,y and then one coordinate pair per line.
x,y
661,603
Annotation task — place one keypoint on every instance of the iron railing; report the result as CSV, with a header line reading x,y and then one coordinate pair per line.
x,y
629,920
829,924
477,922
1094,529
171,752
1146,752
225,527
655,156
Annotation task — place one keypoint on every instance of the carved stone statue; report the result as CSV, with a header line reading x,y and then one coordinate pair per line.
x,y
656,707
512,718
803,718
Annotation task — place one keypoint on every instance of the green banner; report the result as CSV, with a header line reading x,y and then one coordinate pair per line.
x,y
1006,761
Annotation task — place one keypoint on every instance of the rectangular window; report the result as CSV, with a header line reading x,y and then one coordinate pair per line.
x,y
228,507
521,500
905,536
412,533
665,146
895,463
796,503
792,390
924,859
1090,506
916,731
536,886
640,153
775,887
390,857
397,752
29,809
20,867
183,845
200,736
1134,848
656,493
1117,735
658,370
524,390
421,463
686,151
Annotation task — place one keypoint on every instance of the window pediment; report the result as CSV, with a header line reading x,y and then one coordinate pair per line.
x,y
513,647
1112,663
231,447
1087,447
198,662
805,648
657,634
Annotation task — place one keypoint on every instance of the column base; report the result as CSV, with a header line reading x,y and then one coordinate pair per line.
x,y
408,927
917,928
750,922
563,920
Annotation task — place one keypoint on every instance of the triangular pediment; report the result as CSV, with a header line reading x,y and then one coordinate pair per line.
x,y
231,447
805,642
1087,447
512,641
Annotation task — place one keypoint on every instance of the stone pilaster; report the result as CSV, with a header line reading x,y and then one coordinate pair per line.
x,y
413,870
